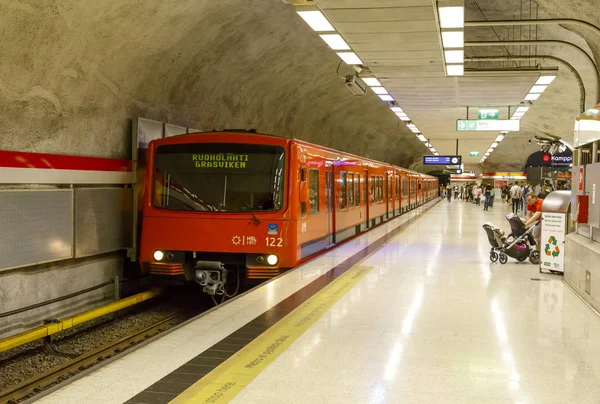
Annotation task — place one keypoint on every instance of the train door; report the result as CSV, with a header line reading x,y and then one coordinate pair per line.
x,y
388,191
329,194
365,212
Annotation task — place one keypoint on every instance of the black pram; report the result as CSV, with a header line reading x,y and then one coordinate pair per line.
x,y
519,244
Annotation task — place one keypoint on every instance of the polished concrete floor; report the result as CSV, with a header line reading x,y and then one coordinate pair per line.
x,y
436,322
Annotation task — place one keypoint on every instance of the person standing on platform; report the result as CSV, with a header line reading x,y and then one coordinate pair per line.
x,y
456,192
487,195
524,192
449,193
534,215
515,195
492,196
478,195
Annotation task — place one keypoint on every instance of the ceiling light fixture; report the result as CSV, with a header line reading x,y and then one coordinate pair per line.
x,y
404,118
455,70
453,39
499,138
396,109
379,90
452,17
454,56
371,81
538,89
494,145
421,138
545,80
522,108
350,58
386,97
335,41
531,97
316,20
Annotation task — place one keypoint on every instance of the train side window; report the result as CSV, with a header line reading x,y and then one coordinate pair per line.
x,y
313,191
350,190
366,189
404,187
397,187
372,189
357,189
343,185
380,188
303,204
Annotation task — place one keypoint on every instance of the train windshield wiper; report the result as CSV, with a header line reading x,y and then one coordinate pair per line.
x,y
250,211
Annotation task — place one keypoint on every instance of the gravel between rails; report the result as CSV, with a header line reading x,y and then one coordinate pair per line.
x,y
27,361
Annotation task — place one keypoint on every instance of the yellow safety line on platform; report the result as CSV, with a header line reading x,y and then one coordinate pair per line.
x,y
228,379
69,322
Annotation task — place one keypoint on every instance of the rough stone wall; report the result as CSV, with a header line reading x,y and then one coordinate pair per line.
x,y
74,73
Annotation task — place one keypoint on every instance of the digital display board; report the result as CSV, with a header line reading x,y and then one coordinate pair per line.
x,y
442,160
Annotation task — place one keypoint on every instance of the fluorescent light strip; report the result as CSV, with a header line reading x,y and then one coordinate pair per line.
x,y
455,70
371,81
532,97
386,97
422,138
396,109
490,150
538,89
499,138
335,41
379,90
316,20
415,130
404,118
350,58
452,17
522,108
453,39
519,114
494,145
454,56
545,80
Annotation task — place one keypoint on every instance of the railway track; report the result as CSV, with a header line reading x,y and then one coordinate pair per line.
x,y
79,364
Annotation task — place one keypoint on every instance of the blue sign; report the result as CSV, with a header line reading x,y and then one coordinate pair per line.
x,y
273,228
442,160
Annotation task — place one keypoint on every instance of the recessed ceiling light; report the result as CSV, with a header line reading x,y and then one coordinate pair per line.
x,y
522,108
538,89
401,115
335,41
454,56
316,20
452,17
371,81
499,138
494,145
379,90
545,80
350,58
404,118
436,154
422,138
490,150
386,97
455,70
532,97
415,130
453,39
396,109
518,114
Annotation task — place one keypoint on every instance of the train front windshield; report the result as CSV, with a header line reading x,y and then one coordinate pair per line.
x,y
219,177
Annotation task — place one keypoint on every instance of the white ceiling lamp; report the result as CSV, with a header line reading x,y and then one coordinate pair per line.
x,y
401,115
404,118
490,150
371,81
455,70
454,56
316,20
335,41
386,97
379,90
453,39
452,17
436,154
494,145
415,130
519,114
522,108
538,89
396,109
545,80
411,125
350,58
487,154
421,138
532,97
499,138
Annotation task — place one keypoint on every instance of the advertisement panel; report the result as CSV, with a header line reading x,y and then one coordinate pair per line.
x,y
552,254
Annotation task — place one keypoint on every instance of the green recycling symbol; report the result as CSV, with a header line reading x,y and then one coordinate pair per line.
x,y
552,242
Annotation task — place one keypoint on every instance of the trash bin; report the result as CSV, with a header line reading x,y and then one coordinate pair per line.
x,y
555,226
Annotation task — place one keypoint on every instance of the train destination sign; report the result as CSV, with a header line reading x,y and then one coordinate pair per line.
x,y
220,160
442,160
488,124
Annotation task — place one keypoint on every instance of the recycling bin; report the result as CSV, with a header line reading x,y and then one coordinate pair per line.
x,y
555,226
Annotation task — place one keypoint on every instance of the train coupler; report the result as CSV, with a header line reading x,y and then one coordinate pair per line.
x,y
212,276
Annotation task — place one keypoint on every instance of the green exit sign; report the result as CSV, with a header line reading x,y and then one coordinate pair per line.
x,y
474,153
488,113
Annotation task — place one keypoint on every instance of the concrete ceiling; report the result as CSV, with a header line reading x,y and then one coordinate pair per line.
x,y
74,74
399,42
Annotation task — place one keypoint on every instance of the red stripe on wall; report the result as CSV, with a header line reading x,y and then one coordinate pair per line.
x,y
61,162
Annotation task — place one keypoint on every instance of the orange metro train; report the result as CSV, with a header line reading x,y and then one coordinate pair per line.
x,y
223,204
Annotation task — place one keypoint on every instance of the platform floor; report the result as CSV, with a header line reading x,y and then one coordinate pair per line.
x,y
429,320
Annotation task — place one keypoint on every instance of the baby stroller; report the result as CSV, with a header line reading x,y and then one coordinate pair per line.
x,y
519,244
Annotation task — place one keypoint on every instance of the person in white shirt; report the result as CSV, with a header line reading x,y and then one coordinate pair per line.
x,y
515,194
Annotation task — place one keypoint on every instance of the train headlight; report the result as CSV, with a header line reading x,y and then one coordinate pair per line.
x,y
158,255
272,259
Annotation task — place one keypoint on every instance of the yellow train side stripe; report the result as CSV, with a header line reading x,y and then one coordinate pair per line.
x,y
232,376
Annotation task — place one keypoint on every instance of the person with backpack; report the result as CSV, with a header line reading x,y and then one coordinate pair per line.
x,y
515,195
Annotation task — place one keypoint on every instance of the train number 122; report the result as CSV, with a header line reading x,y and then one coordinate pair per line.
x,y
274,241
